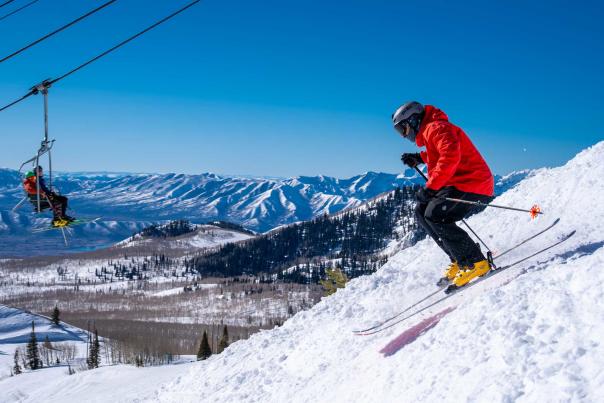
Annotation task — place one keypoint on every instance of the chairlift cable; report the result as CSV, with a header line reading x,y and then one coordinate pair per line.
x,y
17,101
56,31
18,9
119,45
48,83
6,3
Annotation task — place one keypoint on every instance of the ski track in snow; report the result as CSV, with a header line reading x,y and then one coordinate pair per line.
x,y
530,335
411,334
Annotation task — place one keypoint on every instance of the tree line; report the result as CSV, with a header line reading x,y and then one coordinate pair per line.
x,y
351,238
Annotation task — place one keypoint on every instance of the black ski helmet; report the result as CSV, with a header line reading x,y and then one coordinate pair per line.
x,y
407,119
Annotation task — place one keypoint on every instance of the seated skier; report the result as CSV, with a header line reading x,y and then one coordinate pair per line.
x,y
456,170
48,198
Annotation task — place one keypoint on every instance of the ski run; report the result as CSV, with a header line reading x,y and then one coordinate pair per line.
x,y
531,333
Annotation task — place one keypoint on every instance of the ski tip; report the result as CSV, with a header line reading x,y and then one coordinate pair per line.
x,y
362,332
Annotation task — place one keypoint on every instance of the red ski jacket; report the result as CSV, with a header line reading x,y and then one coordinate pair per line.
x,y
451,157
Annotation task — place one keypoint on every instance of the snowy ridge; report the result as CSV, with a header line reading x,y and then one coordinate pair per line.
x,y
533,334
203,236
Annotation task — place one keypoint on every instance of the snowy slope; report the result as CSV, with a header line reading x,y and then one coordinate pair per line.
x,y
530,334
51,383
15,329
538,338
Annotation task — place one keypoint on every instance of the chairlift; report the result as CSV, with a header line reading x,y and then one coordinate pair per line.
x,y
41,201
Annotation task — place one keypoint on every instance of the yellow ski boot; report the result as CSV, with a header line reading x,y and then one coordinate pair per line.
x,y
449,274
479,269
60,222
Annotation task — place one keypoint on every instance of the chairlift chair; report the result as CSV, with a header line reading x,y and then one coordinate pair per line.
x,y
41,202
45,148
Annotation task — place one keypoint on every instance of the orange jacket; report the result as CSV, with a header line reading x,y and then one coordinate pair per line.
x,y
29,184
451,157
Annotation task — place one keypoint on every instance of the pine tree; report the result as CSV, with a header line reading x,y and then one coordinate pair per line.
x,y
55,316
94,351
17,367
335,279
32,354
97,349
204,348
224,340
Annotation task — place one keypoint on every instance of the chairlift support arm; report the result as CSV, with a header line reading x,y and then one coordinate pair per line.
x,y
46,144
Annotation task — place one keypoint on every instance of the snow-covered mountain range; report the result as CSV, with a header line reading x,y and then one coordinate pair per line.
x,y
257,203
129,202
532,333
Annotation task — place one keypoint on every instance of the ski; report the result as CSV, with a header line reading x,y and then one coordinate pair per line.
x,y
71,224
453,290
443,286
556,221
363,331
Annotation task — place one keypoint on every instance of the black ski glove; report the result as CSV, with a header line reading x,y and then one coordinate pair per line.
x,y
412,159
424,195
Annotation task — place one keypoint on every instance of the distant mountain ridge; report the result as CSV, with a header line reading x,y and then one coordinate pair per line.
x,y
259,204
128,202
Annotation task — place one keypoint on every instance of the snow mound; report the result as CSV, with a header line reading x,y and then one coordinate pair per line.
x,y
536,338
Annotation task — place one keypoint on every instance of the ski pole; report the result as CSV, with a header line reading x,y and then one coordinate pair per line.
x,y
534,211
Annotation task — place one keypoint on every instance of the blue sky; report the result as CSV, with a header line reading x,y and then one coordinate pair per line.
x,y
285,88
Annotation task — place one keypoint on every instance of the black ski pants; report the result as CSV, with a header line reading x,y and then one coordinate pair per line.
x,y
438,217
59,204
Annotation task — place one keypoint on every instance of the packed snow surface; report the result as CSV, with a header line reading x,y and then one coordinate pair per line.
x,y
532,333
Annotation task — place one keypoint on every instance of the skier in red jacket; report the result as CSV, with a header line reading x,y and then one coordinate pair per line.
x,y
456,170
48,198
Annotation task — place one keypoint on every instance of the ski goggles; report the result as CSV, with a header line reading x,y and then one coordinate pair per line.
x,y
403,128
